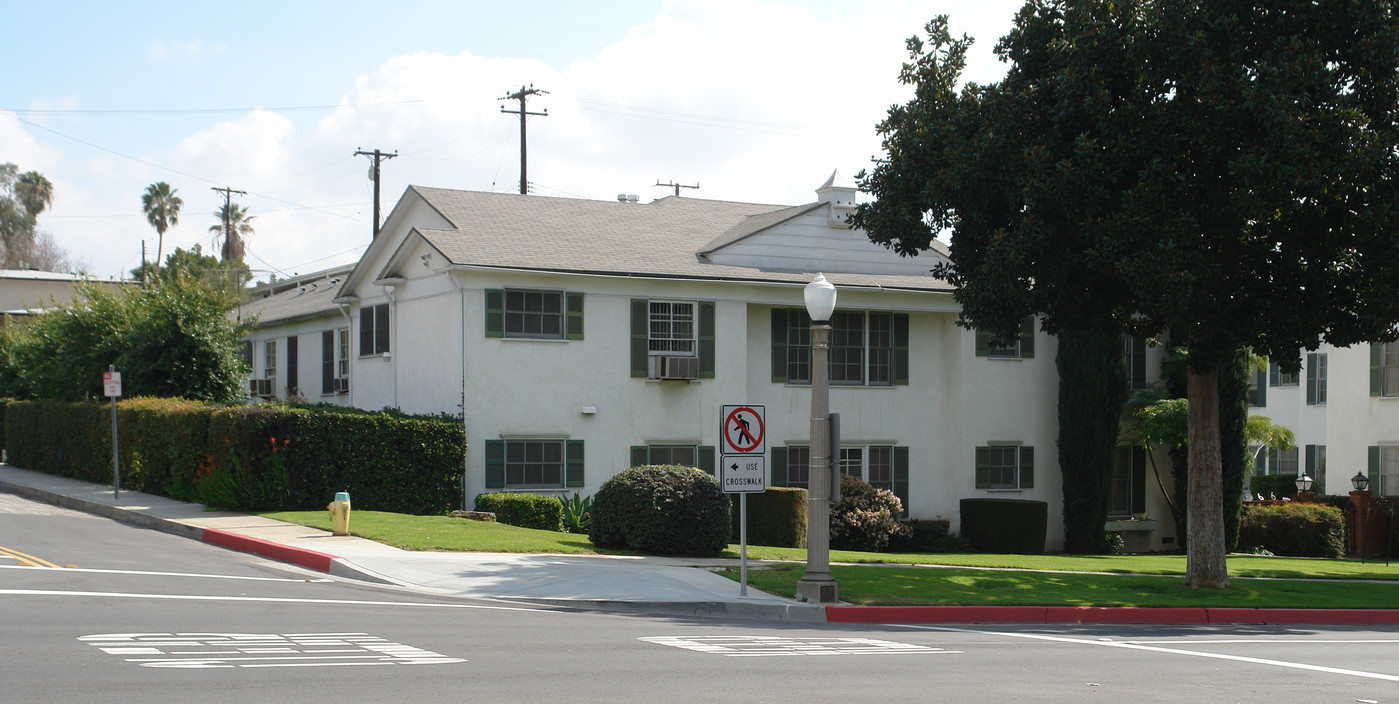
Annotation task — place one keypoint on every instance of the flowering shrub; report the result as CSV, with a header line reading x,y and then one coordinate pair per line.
x,y
865,518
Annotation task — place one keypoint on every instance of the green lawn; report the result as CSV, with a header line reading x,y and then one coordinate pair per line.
x,y
966,579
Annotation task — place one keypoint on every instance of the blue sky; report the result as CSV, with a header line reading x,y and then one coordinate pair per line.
x,y
754,101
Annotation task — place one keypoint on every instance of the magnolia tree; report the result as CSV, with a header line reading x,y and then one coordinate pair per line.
x,y
1216,168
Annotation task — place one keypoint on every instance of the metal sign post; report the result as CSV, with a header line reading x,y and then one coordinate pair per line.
x,y
111,388
743,469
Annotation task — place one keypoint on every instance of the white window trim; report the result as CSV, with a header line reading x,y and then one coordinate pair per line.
x,y
1017,444
694,328
505,309
563,463
864,382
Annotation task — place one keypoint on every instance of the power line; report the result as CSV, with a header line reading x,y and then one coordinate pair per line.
x,y
521,95
207,111
230,248
378,157
676,186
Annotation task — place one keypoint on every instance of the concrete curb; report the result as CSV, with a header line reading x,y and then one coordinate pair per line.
x,y
116,513
1114,615
793,613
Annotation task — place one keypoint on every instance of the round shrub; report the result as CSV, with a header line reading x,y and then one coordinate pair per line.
x,y
1295,529
865,518
661,510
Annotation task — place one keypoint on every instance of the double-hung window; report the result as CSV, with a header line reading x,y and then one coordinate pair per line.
x,y
269,359
684,455
335,361
1384,470
534,463
880,466
872,464
373,329
1005,466
1277,376
672,326
867,348
1384,369
1315,467
1021,347
534,314
1128,492
672,339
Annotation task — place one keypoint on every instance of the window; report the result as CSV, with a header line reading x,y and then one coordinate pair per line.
x,y
1278,377
798,466
1258,388
880,466
1020,348
1316,379
335,360
1128,492
1384,369
873,465
1005,466
868,348
672,328
528,314
269,359
1384,470
1286,463
685,455
534,464
1273,461
373,330
245,351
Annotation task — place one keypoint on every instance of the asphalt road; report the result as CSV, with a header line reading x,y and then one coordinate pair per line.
x,y
147,617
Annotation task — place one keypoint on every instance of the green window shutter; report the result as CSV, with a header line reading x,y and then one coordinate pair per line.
x,y
1138,480
779,466
983,468
983,344
366,330
1310,469
1027,338
901,475
495,464
901,352
1311,379
1273,459
573,315
495,312
573,463
327,361
1261,384
1272,373
1261,464
640,337
1027,468
1376,368
706,340
640,455
704,457
779,352
381,328
1373,470
1138,364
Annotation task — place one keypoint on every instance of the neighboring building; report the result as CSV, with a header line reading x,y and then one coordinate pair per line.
x,y
23,292
1343,407
577,338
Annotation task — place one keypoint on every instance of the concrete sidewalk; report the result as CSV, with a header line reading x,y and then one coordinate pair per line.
x,y
674,586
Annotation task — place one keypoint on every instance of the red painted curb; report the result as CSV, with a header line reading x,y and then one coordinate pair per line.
x,y
1104,614
1330,617
309,559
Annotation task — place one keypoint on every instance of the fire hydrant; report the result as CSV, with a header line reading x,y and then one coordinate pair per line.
x,y
340,513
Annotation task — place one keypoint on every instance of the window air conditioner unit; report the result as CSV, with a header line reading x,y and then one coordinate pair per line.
x,y
677,368
252,387
264,388
340,384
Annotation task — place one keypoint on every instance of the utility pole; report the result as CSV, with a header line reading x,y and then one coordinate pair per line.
x,y
378,156
676,186
227,227
521,95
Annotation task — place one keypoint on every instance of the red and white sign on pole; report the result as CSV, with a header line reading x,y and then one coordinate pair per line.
x,y
743,431
111,384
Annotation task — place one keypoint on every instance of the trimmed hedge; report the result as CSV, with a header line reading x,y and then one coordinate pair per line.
x,y
1265,486
1005,525
928,537
776,517
523,510
661,510
245,457
1293,529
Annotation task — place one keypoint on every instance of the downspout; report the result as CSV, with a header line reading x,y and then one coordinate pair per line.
x,y
349,325
389,292
461,368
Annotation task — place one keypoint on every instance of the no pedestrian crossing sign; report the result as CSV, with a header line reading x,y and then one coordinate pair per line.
x,y
743,430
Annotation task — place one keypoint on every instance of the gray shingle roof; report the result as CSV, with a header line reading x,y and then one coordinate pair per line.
x,y
660,239
311,299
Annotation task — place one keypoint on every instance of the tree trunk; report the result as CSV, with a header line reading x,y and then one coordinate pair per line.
x,y
1205,565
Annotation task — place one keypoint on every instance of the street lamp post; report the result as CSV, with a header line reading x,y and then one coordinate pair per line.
x,y
817,585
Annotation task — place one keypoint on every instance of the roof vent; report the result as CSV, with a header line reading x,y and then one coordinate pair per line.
x,y
628,198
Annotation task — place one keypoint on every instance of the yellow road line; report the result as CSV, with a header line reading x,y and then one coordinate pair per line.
x,y
29,560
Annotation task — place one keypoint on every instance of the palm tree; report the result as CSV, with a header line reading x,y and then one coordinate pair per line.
x,y
162,209
34,191
234,225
